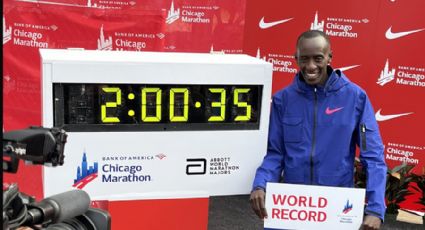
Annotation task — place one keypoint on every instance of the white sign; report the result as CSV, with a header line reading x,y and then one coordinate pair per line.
x,y
109,158
292,206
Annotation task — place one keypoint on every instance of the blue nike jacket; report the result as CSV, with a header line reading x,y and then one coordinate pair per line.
x,y
313,135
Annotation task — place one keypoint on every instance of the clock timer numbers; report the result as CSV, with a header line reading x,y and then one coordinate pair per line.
x,y
180,104
111,106
240,103
151,104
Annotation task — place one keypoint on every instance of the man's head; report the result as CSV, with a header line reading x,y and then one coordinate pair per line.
x,y
313,56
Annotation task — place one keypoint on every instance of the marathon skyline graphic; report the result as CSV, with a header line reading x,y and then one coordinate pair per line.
x,y
348,207
172,15
386,75
104,43
85,175
7,32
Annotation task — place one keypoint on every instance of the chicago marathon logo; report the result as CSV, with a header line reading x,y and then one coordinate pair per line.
x,y
403,75
198,14
337,27
85,173
283,63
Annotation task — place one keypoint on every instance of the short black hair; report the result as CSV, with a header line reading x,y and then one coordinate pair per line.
x,y
313,34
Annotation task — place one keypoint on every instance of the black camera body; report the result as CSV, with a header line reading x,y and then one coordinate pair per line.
x,y
65,211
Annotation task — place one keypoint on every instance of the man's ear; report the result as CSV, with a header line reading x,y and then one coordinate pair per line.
x,y
330,57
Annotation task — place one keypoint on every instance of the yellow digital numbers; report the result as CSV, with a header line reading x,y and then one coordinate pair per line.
x,y
243,104
221,104
114,104
173,117
158,111
186,104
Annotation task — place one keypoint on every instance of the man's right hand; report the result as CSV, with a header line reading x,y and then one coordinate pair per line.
x,y
257,199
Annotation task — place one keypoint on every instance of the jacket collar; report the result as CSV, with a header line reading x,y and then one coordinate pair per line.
x,y
336,81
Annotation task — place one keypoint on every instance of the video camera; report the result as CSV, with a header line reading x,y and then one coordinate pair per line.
x,y
65,211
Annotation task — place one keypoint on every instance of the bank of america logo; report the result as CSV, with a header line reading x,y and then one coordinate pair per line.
x,y
172,14
386,76
102,43
85,173
316,25
7,32
348,207
259,55
161,156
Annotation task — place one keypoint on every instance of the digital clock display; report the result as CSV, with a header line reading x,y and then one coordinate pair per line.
x,y
142,107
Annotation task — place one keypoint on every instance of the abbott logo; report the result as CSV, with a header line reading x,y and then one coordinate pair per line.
x,y
172,14
102,43
196,166
7,32
316,25
386,76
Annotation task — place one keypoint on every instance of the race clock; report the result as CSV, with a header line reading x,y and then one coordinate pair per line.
x,y
156,124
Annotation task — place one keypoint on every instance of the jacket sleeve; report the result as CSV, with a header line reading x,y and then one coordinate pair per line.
x,y
372,158
271,168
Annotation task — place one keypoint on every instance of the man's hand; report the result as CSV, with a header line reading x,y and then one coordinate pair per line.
x,y
257,199
371,223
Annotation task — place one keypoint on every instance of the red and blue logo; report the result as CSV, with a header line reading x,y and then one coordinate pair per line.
x,y
347,208
85,173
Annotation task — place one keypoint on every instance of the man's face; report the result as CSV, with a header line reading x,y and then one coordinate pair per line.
x,y
313,56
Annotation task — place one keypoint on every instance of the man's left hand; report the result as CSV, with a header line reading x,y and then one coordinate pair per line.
x,y
371,223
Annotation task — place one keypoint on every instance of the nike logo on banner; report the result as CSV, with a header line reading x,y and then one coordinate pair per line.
x,y
380,117
390,35
266,25
330,111
348,67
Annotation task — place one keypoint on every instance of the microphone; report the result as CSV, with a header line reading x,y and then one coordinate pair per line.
x,y
57,208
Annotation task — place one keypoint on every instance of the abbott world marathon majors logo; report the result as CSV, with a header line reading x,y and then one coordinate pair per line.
x,y
25,34
281,62
125,41
403,75
213,166
189,14
338,27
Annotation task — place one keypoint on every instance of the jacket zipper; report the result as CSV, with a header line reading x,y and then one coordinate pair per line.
x,y
313,147
363,136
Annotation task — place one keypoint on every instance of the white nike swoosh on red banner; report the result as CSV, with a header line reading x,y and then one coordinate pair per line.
x,y
380,117
345,68
266,25
390,35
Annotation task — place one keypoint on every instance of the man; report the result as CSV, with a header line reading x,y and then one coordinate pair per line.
x,y
315,125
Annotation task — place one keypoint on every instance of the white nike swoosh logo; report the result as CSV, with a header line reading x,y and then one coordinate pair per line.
x,y
266,25
348,67
390,35
380,117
